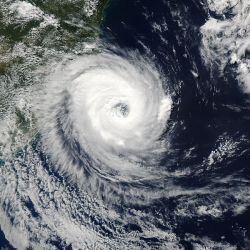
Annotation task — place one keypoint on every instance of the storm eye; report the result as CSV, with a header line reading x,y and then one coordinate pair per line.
x,y
121,110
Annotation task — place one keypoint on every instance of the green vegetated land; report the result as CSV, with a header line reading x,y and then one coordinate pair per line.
x,y
26,43
74,26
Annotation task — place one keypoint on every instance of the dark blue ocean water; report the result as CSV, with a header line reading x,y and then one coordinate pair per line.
x,y
208,132
208,110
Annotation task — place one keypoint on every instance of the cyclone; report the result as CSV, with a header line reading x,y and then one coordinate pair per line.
x,y
124,124
103,116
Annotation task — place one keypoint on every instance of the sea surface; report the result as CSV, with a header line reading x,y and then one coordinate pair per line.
x,y
199,198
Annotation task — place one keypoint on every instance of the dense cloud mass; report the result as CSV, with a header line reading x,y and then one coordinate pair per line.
x,y
104,115
126,128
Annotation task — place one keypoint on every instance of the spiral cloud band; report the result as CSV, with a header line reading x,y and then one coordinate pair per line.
x,y
103,115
